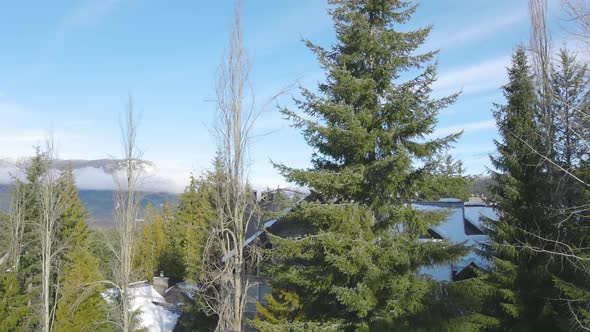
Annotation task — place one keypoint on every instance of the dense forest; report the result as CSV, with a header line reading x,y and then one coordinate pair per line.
x,y
351,249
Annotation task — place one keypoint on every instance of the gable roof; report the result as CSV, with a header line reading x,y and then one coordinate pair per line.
x,y
453,228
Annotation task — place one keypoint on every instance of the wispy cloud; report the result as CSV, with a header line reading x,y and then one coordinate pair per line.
x,y
88,13
486,75
477,31
85,14
466,127
304,20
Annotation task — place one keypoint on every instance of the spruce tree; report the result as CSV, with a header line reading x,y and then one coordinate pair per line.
x,y
151,244
81,306
73,228
15,313
520,279
195,211
357,264
172,261
30,268
571,88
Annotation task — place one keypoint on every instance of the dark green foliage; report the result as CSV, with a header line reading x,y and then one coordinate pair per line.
x,y
445,179
15,314
4,237
151,244
570,86
172,240
71,234
356,265
72,229
571,89
520,279
194,319
30,268
173,259
196,212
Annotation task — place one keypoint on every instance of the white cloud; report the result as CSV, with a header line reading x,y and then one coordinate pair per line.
x,y
153,180
466,127
487,75
477,30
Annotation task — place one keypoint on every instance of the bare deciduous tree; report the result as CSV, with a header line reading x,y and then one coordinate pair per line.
x,y
541,54
16,222
127,200
225,254
50,199
578,12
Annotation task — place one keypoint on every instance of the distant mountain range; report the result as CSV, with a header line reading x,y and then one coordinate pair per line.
x,y
106,165
99,174
99,203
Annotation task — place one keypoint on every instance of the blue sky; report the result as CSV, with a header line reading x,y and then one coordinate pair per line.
x,y
67,66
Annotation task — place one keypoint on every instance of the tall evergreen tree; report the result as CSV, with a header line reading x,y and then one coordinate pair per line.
x,y
520,279
73,228
71,232
172,261
151,244
570,87
15,313
30,268
195,210
81,306
357,265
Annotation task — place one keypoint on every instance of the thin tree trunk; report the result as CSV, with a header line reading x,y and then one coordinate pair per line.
x,y
16,223
126,207
51,206
227,266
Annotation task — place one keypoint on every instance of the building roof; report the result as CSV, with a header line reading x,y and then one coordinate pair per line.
x,y
454,229
154,314
458,227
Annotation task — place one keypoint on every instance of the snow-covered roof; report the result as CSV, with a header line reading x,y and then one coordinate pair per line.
x,y
186,288
151,307
154,314
453,229
474,212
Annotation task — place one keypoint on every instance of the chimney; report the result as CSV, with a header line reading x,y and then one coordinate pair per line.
x,y
161,283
